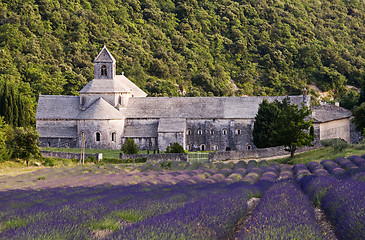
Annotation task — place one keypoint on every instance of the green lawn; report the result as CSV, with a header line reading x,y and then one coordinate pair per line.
x,y
320,154
107,153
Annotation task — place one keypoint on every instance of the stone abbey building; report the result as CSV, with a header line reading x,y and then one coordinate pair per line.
x,y
111,109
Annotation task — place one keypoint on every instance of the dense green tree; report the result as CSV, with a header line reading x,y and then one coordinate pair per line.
x,y
350,100
359,118
283,124
16,108
4,151
175,148
265,121
23,143
129,147
175,48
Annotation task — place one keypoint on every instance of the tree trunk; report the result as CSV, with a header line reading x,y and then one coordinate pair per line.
x,y
292,150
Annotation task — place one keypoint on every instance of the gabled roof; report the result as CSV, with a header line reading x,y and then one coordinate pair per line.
x,y
329,112
104,56
136,91
199,107
136,129
106,86
57,131
171,125
57,107
100,110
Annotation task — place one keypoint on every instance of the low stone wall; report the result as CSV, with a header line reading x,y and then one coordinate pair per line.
x,y
157,157
69,155
255,153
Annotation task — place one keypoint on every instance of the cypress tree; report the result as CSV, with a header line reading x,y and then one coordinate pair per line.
x,y
8,106
15,101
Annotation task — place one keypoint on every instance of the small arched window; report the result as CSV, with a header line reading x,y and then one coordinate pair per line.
x,y
211,132
202,147
97,137
103,71
188,132
224,131
48,144
189,147
200,132
238,131
249,147
215,147
114,136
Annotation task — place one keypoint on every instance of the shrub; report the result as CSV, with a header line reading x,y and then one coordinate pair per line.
x,y
130,147
337,144
175,148
50,162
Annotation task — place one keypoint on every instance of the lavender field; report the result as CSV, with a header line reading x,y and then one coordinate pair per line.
x,y
171,200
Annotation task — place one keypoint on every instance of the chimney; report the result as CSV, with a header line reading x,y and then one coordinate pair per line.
x,y
305,96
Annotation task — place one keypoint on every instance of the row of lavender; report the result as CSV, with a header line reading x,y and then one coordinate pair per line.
x,y
181,211
284,212
178,172
194,207
342,200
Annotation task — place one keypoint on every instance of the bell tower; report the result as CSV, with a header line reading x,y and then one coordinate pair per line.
x,y
104,65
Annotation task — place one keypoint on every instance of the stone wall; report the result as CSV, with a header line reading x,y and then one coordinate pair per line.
x,y
255,153
157,157
335,129
69,155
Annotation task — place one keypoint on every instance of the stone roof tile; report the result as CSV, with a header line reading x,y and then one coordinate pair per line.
x,y
57,107
198,107
104,56
135,129
329,112
100,110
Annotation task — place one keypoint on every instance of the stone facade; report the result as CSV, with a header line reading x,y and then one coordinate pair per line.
x,y
111,109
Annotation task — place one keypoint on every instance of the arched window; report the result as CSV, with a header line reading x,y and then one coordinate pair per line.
x,y
103,71
48,144
188,132
97,137
238,131
200,132
249,147
114,136
215,147
189,147
224,131
202,147
211,132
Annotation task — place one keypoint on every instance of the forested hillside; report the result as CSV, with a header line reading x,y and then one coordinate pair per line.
x,y
191,48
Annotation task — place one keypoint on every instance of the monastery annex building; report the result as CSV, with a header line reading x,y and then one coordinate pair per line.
x,y
111,109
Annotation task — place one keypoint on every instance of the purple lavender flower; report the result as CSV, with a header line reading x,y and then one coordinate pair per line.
x,y
284,212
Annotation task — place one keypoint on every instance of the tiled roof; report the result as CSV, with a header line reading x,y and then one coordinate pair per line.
x,y
329,112
57,107
171,125
120,84
137,129
100,110
104,56
198,107
56,131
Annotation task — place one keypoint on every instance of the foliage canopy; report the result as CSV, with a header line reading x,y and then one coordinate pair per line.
x,y
282,124
130,147
175,148
193,48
